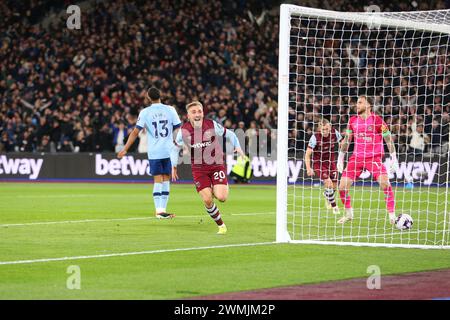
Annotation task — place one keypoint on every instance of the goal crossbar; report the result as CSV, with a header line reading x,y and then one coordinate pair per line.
x,y
368,18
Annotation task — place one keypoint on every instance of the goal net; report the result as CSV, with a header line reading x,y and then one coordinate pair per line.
x,y
401,60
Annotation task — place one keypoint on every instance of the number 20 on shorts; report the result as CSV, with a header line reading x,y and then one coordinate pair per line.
x,y
219,175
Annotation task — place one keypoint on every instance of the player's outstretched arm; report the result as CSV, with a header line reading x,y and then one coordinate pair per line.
x,y
131,139
309,170
231,136
343,149
346,141
309,151
391,147
174,154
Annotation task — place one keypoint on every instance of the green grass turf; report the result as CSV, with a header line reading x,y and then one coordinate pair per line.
x,y
167,275
426,205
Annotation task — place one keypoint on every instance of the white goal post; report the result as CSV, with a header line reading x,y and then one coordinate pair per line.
x,y
401,60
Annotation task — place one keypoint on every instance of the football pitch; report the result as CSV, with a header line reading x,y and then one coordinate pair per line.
x,y
123,252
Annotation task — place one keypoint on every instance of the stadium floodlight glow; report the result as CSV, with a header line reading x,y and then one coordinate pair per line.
x,y
401,59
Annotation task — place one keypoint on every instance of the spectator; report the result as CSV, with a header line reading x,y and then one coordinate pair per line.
x,y
7,144
44,128
80,144
55,132
89,140
26,143
120,133
105,137
419,140
66,145
222,116
44,145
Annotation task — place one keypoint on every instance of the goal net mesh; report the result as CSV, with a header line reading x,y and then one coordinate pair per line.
x,y
402,61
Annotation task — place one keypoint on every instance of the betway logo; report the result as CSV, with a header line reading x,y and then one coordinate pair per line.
x,y
266,168
24,166
407,171
125,166
201,144
263,167
410,171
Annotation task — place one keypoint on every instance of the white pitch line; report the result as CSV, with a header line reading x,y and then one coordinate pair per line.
x,y
38,196
252,213
117,219
71,221
123,254
404,233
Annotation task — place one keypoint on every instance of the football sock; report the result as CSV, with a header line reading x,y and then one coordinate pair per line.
x,y
345,197
157,188
329,194
389,198
214,214
165,195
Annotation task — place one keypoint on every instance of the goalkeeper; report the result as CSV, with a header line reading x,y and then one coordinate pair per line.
x,y
369,130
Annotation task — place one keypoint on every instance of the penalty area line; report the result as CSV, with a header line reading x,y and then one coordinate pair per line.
x,y
124,254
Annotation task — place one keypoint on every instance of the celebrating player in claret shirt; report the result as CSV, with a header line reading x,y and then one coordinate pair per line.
x,y
369,130
207,159
322,145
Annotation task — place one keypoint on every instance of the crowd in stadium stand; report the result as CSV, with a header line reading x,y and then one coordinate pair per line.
x,y
81,90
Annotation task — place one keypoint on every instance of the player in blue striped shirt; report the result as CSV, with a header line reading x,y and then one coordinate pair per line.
x,y
160,121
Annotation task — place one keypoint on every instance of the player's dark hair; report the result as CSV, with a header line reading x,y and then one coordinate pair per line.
x,y
369,99
154,94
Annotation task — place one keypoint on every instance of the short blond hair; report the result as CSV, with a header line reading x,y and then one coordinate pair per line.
x,y
194,103
323,122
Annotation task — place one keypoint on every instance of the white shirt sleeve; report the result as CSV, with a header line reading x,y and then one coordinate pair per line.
x,y
338,135
174,154
179,139
312,142
175,118
140,124
219,129
230,135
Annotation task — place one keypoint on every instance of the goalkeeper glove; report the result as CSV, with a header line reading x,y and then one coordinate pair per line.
x,y
340,162
394,163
